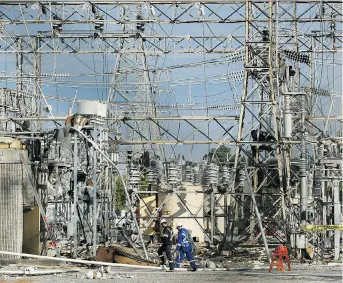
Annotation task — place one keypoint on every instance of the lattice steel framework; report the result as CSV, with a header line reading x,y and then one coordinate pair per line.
x,y
273,117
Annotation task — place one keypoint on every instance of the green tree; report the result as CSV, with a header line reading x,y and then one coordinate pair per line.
x,y
220,155
120,194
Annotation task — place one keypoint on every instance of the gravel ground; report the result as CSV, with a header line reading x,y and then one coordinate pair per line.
x,y
321,274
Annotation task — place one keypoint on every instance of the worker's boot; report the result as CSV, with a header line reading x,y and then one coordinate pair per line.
x,y
162,262
171,266
194,266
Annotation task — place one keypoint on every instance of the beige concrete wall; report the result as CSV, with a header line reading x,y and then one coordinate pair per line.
x,y
175,212
148,204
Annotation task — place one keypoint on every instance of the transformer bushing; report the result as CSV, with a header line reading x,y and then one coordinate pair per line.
x,y
173,174
211,176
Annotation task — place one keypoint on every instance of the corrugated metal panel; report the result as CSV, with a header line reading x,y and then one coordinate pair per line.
x,y
11,205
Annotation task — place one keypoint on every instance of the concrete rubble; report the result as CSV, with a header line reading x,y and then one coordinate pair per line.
x,y
250,260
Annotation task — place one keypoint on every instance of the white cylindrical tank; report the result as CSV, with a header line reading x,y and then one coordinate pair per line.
x,y
287,116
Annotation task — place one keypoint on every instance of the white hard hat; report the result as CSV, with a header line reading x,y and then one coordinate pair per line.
x,y
178,225
163,221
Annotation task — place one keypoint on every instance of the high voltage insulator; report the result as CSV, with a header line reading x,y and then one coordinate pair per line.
x,y
211,172
134,177
235,57
241,178
188,174
173,174
152,177
99,25
236,76
219,107
225,175
297,56
316,91
200,177
320,152
224,107
55,75
57,27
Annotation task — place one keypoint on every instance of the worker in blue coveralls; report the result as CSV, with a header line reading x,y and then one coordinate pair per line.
x,y
184,247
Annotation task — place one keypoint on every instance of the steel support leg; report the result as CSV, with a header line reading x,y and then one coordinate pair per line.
x,y
258,215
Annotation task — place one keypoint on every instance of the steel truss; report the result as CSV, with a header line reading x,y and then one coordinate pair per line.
x,y
261,40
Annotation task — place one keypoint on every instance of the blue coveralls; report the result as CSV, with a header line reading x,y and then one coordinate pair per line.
x,y
184,248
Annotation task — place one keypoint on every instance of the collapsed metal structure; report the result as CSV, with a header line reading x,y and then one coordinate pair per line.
x,y
279,120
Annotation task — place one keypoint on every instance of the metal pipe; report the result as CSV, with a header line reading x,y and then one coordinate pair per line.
x,y
97,263
95,220
75,197
257,214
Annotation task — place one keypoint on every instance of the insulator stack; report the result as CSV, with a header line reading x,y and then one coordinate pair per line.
x,y
195,175
320,152
303,158
297,56
200,177
152,177
318,182
225,175
134,178
189,174
181,169
241,178
173,172
211,176
160,170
